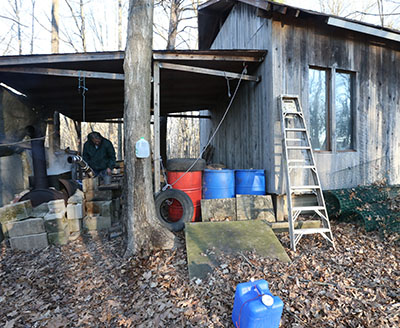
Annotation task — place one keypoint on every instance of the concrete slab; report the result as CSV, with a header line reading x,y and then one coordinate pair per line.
x,y
223,209
229,237
15,211
76,198
74,211
96,222
29,242
56,206
59,237
251,207
278,227
22,228
40,211
75,225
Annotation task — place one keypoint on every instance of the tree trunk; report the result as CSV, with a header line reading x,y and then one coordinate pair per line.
x,y
83,27
18,19
33,25
173,24
120,126
55,40
145,232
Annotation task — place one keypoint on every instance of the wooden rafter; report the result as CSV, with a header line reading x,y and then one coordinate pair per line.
x,y
208,71
63,72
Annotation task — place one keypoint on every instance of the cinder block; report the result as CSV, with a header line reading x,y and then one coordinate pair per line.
x,y
16,211
106,208
76,198
90,184
75,225
56,206
74,211
98,207
40,211
52,223
59,237
29,242
223,209
96,222
74,235
22,228
94,195
251,207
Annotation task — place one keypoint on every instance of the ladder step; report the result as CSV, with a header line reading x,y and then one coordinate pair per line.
x,y
310,231
291,113
301,166
298,147
308,208
296,129
288,139
296,161
305,187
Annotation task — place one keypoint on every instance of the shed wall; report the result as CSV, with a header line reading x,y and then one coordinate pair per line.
x,y
251,135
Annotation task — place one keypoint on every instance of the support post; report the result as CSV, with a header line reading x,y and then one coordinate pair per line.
x,y
156,110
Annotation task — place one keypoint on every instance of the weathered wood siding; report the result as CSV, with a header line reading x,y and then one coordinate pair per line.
x,y
244,137
251,135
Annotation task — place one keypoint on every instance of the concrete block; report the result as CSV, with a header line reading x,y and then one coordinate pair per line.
x,y
16,211
251,207
59,237
93,195
22,228
56,206
90,184
40,211
106,208
218,209
96,222
29,242
76,198
99,207
52,223
75,225
74,211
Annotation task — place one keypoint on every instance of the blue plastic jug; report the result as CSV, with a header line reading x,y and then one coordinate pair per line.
x,y
255,306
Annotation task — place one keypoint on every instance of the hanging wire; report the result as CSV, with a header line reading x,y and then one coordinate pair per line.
x,y
82,90
213,135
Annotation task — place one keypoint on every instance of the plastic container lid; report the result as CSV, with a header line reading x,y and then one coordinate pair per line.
x,y
267,300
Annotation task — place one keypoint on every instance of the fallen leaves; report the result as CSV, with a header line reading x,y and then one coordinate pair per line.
x,y
88,283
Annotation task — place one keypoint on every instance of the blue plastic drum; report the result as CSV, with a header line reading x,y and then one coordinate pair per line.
x,y
250,182
218,184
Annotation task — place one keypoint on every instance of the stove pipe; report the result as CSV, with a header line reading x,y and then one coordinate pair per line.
x,y
38,158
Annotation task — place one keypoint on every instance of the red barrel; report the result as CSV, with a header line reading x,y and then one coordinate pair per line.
x,y
191,184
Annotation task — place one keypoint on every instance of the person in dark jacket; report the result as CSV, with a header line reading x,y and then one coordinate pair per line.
x,y
99,153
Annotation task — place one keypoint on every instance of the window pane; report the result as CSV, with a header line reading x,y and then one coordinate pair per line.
x,y
318,109
344,121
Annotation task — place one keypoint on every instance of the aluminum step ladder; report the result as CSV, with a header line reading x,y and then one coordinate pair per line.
x,y
304,192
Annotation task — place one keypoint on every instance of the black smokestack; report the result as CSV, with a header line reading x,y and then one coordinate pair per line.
x,y
38,158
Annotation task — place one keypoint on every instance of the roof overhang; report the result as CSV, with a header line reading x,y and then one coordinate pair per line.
x,y
212,15
190,80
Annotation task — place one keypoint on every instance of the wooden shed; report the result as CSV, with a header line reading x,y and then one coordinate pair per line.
x,y
346,73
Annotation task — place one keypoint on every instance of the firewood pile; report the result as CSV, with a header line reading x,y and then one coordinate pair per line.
x,y
88,283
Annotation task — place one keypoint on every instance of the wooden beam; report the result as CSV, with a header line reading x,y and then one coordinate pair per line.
x,y
156,119
48,59
190,116
63,72
262,4
207,71
205,57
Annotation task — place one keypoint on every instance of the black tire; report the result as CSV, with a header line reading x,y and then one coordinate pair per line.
x,y
182,164
161,200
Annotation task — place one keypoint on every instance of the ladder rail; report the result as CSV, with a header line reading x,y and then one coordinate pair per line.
x,y
295,111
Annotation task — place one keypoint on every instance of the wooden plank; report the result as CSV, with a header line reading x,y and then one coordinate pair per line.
x,y
208,71
47,59
205,57
156,118
63,72
258,4
191,116
251,207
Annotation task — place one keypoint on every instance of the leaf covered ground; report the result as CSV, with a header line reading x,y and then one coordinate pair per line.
x,y
88,283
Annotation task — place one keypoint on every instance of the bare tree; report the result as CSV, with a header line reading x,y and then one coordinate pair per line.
x,y
33,24
79,20
145,232
55,18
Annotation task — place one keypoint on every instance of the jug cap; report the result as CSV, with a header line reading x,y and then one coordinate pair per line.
x,y
267,300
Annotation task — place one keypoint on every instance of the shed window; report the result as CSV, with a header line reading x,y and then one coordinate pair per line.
x,y
326,134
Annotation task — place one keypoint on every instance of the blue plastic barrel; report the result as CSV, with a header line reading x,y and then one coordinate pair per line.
x,y
255,306
218,184
250,182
